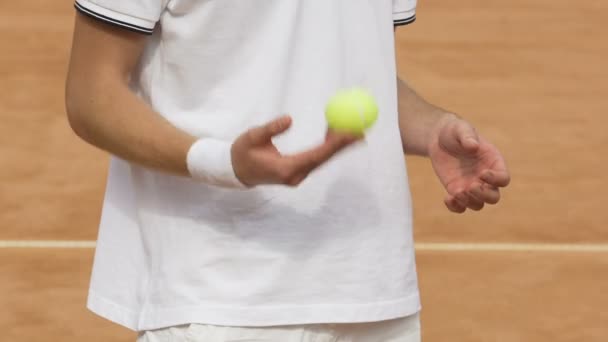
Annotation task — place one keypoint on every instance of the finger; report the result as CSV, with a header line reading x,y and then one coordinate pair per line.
x,y
461,197
496,178
464,198
486,193
474,203
499,166
264,133
453,205
466,136
305,162
331,134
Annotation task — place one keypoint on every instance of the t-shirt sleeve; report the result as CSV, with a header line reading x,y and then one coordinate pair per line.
x,y
135,15
404,12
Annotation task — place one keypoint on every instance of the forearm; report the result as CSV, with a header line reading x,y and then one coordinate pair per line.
x,y
106,114
417,120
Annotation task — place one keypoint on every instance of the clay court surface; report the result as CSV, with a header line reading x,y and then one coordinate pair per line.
x,y
531,74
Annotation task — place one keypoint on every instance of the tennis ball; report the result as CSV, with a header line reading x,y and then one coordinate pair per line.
x,y
351,111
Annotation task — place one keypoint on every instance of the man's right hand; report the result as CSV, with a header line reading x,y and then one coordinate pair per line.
x,y
257,161
103,111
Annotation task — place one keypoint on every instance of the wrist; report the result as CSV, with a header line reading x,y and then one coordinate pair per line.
x,y
210,161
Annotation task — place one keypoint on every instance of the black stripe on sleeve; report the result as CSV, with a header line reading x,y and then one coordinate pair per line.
x,y
112,21
405,21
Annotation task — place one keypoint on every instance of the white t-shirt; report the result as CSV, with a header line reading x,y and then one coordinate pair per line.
x,y
336,249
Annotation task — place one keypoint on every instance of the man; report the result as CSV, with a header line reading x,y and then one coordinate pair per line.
x,y
231,212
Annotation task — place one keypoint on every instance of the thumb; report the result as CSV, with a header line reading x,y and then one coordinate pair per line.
x,y
466,136
264,133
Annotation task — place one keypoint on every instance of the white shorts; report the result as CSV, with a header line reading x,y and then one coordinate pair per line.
x,y
397,330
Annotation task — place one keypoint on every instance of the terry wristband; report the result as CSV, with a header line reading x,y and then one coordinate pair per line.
x,y
210,161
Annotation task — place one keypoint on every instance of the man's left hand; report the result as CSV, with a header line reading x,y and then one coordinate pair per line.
x,y
471,169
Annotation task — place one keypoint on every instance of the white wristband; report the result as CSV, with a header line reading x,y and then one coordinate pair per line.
x,y
210,161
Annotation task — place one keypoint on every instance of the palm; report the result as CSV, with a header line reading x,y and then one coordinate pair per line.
x,y
461,170
470,168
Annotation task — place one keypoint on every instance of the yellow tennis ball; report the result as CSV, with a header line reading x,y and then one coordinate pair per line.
x,y
351,111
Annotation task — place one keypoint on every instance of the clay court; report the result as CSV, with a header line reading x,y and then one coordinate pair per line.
x,y
532,76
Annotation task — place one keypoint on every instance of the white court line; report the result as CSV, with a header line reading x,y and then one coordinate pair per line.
x,y
422,246
511,247
47,244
